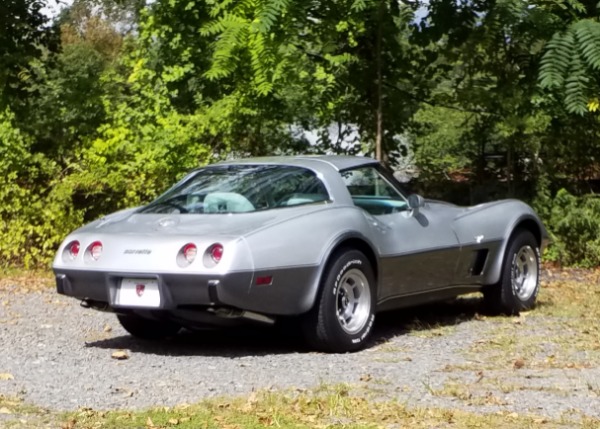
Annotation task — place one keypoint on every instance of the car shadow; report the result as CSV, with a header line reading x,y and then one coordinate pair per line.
x,y
268,340
424,318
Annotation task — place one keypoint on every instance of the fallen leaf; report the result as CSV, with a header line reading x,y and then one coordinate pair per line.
x,y
5,410
149,423
70,424
120,355
6,376
107,328
519,363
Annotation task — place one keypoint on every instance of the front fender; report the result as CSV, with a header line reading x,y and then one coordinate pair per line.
x,y
495,223
526,221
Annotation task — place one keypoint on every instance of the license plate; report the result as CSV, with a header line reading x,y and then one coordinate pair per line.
x,y
138,293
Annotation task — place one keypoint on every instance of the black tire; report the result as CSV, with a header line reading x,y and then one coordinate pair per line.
x,y
519,282
343,315
147,329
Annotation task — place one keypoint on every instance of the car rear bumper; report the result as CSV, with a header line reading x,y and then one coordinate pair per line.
x,y
291,291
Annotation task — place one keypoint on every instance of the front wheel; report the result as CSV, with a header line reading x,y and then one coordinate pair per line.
x,y
343,316
519,283
147,329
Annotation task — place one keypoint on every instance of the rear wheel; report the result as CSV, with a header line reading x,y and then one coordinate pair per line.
x,y
147,329
519,283
343,316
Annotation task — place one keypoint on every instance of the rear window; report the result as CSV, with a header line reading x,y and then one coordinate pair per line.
x,y
240,189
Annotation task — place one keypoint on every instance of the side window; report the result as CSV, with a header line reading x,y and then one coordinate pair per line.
x,y
298,187
372,192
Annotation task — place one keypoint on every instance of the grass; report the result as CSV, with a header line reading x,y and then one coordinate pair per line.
x,y
16,414
325,407
26,280
562,332
422,329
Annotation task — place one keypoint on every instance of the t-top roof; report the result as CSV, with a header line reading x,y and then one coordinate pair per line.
x,y
339,162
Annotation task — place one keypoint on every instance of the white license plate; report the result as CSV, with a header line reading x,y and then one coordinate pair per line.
x,y
138,293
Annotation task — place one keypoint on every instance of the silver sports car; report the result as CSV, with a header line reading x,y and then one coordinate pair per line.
x,y
329,240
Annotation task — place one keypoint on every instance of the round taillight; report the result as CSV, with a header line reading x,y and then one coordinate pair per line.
x,y
216,252
74,249
95,250
189,252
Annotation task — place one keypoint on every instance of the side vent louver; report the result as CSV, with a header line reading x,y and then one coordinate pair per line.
x,y
478,264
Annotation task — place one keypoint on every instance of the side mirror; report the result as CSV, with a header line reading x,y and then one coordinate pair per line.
x,y
415,202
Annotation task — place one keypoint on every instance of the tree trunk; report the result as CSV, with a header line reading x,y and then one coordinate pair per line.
x,y
379,129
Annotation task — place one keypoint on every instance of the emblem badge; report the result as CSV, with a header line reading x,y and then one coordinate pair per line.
x,y
139,289
167,222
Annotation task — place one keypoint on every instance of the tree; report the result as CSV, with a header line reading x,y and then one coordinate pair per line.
x,y
22,38
572,56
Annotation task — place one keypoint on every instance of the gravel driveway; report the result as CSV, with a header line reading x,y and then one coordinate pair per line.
x,y
57,355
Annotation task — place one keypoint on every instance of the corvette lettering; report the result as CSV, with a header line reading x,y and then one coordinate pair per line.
x,y
137,251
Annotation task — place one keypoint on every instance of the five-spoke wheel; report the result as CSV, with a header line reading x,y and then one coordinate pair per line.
x,y
353,303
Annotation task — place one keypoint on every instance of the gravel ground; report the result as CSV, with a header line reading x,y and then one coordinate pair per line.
x,y
57,355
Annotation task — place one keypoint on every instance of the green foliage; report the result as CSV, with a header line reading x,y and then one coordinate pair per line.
x,y
571,59
574,225
35,214
438,141
140,92
246,29
22,38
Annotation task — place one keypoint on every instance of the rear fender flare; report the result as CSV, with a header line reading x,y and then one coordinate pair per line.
x,y
332,247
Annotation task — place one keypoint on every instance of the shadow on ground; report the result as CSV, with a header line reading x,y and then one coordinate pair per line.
x,y
287,338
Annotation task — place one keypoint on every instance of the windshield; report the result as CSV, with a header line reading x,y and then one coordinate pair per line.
x,y
240,189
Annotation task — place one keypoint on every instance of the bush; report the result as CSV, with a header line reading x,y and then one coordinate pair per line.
x,y
34,214
41,201
574,225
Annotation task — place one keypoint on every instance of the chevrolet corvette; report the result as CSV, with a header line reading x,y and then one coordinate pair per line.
x,y
328,240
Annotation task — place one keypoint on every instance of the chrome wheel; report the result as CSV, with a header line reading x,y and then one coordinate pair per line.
x,y
353,301
524,273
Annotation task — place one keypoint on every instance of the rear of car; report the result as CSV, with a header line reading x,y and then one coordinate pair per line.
x,y
204,244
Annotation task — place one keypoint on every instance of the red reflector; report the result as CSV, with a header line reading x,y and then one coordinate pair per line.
x,y
189,252
96,250
264,281
216,252
74,249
